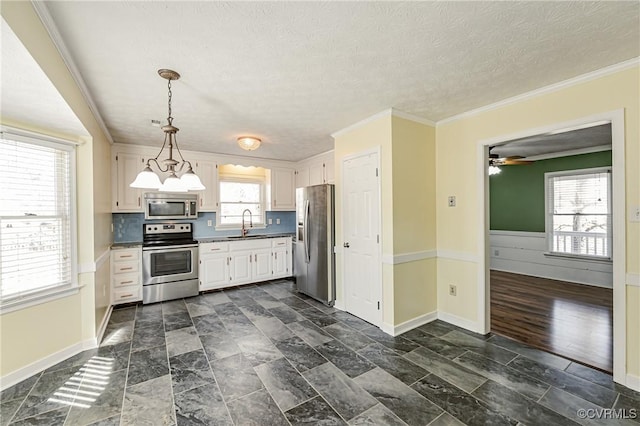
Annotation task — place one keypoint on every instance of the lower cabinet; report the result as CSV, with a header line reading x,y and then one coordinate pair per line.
x,y
224,264
126,277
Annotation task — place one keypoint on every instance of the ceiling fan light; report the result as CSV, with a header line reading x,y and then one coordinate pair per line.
x,y
173,184
494,170
146,179
249,143
191,181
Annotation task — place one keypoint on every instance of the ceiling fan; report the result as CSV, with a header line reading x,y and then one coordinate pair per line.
x,y
512,160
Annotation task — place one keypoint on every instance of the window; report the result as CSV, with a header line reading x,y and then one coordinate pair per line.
x,y
37,211
237,195
579,212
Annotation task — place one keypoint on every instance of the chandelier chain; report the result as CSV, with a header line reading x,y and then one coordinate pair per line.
x,y
169,118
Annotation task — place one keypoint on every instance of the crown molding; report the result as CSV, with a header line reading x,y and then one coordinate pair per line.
x,y
612,69
386,113
43,13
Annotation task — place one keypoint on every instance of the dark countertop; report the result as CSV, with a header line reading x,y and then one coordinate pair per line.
x,y
125,245
249,238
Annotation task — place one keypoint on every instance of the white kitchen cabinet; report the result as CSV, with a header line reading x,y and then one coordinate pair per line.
x,y
126,275
127,167
282,189
213,266
207,171
240,268
282,259
224,264
302,177
316,170
261,266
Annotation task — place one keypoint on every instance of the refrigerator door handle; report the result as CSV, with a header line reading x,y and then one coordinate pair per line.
x,y
307,250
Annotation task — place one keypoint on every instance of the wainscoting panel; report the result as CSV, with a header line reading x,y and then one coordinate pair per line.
x,y
523,253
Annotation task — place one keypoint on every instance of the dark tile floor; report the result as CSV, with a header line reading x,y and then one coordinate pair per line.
x,y
264,355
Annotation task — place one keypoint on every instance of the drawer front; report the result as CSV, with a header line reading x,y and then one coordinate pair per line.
x,y
126,294
125,255
206,248
126,267
280,242
121,280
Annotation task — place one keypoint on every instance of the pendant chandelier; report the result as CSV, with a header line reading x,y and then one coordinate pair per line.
x,y
148,179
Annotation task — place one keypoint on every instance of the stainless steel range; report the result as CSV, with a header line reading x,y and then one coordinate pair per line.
x,y
169,262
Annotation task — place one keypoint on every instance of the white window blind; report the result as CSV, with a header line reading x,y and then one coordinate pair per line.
x,y
238,195
579,212
36,218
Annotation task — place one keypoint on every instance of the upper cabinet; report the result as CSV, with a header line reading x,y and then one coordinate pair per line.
x,y
126,167
207,171
281,189
315,171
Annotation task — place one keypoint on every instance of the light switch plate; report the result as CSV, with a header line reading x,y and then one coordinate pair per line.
x,y
634,214
452,201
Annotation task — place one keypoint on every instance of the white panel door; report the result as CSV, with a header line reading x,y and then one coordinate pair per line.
x,y
361,210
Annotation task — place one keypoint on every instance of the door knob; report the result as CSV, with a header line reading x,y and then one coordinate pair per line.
x,y
346,245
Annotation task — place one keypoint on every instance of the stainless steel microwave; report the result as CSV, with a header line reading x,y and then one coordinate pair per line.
x,y
170,206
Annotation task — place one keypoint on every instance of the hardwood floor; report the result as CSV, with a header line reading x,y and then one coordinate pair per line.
x,y
571,320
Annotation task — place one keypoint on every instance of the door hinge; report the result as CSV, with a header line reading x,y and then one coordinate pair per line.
x,y
116,158
376,172
378,238
378,305
117,203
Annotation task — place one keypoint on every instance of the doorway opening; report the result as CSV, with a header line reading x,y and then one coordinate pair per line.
x,y
553,240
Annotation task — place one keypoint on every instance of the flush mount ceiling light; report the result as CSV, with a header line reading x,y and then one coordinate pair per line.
x,y
249,143
148,179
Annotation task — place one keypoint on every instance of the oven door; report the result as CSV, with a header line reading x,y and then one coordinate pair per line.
x,y
168,264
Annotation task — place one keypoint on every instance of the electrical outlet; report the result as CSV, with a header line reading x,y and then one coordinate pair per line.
x,y
277,221
452,201
270,221
635,214
209,222
453,290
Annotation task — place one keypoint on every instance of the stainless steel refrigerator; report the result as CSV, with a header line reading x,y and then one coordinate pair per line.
x,y
314,267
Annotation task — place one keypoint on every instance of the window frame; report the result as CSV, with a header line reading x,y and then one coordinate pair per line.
x,y
549,214
44,295
244,179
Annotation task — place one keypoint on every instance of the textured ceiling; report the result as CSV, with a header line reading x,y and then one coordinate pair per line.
x,y
28,96
552,143
292,73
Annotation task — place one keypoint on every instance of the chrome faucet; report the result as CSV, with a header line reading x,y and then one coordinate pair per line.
x,y
245,230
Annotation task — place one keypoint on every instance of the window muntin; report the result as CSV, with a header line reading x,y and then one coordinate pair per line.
x,y
579,212
37,211
236,195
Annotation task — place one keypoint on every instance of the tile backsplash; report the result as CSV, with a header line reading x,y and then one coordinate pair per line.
x,y
127,227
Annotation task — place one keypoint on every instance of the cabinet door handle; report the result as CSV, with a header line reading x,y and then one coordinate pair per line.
x,y
276,255
122,256
255,257
126,269
214,249
138,201
228,258
250,258
126,282
126,295
200,201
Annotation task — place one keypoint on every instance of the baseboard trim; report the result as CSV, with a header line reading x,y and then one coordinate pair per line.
x,y
103,325
458,321
339,304
396,330
633,382
36,367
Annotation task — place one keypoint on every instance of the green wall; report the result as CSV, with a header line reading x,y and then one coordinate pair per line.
x,y
517,193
